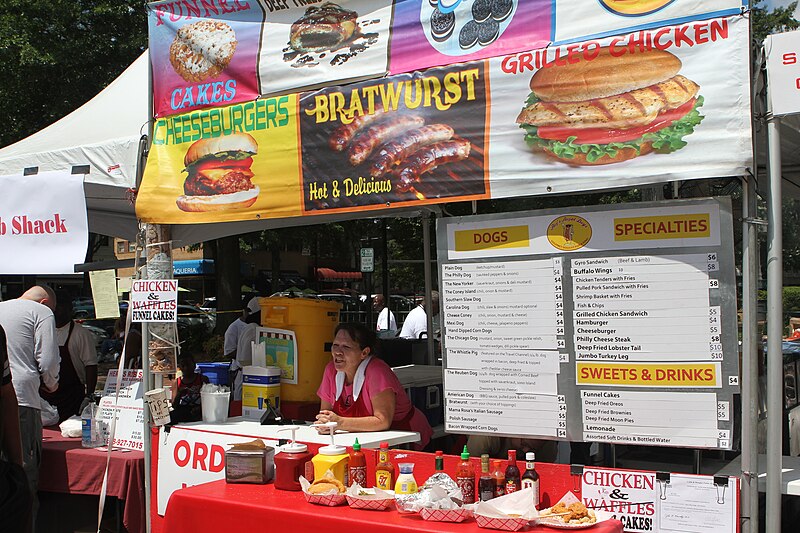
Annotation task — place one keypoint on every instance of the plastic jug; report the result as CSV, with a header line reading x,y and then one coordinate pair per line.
x,y
293,461
332,457
90,433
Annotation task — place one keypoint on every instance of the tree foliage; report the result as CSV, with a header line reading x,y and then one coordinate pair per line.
x,y
57,54
778,20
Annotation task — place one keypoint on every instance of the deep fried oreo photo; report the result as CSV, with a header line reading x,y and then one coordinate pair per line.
x,y
488,32
442,25
469,35
481,10
501,9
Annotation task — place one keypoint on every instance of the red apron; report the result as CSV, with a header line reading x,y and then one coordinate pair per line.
x,y
359,409
71,392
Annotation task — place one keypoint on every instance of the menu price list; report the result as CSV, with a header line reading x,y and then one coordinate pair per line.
x,y
505,413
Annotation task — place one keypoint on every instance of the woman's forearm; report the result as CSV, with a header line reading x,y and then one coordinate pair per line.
x,y
364,423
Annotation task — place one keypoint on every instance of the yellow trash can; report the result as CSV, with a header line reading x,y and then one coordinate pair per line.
x,y
312,322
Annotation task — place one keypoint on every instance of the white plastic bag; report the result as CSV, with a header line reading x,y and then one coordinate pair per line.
x,y
49,414
71,427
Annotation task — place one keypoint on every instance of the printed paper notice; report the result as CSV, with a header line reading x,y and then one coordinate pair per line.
x,y
693,504
104,293
154,300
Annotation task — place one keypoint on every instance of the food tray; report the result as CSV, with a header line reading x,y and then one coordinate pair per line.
x,y
557,524
503,524
369,503
445,515
330,500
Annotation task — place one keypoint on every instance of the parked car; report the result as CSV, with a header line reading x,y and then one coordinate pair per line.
x,y
191,315
209,304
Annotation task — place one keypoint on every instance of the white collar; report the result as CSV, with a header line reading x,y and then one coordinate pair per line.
x,y
358,381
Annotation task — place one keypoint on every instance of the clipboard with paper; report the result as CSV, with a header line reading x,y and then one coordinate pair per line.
x,y
697,504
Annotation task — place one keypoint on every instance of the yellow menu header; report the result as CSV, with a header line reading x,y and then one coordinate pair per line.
x,y
688,226
649,375
492,238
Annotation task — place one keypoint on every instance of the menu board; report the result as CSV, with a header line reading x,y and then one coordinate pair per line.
x,y
605,325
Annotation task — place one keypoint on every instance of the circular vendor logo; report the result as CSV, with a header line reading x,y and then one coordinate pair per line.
x,y
634,8
569,232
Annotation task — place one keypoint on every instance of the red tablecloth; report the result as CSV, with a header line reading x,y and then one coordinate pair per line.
x,y
219,506
68,468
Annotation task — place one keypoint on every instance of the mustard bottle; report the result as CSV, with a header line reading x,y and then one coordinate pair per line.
x,y
332,457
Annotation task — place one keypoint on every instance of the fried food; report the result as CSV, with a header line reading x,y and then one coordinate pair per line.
x,y
574,513
256,444
326,484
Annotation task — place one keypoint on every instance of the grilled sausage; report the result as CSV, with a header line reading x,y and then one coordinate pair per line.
x,y
342,135
428,158
374,136
408,143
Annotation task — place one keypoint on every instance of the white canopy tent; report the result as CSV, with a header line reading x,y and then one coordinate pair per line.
x,y
106,134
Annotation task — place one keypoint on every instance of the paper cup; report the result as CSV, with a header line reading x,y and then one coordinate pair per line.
x,y
157,400
215,406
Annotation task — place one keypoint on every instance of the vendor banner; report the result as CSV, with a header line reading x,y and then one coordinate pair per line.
x,y
43,225
670,103
211,53
238,162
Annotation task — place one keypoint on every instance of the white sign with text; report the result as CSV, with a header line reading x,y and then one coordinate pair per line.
x,y
154,300
783,72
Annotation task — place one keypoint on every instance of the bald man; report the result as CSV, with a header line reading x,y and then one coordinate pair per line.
x,y
34,359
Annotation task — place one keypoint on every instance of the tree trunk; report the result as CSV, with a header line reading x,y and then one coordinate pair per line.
x,y
229,282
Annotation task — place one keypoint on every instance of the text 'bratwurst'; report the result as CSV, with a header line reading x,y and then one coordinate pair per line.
x,y
219,174
611,109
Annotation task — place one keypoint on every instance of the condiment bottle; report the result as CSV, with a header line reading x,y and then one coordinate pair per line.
x,y
530,479
465,477
293,461
512,473
332,457
406,484
358,466
438,463
487,485
499,476
384,470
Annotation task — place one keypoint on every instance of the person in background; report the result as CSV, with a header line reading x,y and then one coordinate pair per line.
x,y
186,392
34,360
15,498
78,375
497,447
386,320
360,392
237,326
416,323
244,352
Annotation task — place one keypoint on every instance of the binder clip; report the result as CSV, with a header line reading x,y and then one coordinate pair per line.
x,y
576,472
721,483
272,416
662,478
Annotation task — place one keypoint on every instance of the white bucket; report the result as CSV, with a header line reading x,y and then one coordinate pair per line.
x,y
215,406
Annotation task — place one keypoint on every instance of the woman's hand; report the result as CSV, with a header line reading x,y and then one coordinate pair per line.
x,y
326,416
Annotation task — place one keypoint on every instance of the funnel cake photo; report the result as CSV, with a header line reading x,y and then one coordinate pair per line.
x,y
202,50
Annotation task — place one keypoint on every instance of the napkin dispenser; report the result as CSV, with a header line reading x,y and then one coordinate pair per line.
x,y
250,465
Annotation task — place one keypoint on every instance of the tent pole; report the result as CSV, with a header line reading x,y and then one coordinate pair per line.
x,y
426,255
749,369
774,327
146,382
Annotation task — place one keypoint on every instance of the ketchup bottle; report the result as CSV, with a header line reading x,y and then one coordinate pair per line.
x,y
465,477
357,466
293,461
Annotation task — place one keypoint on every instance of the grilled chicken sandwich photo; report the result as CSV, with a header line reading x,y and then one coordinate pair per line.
x,y
611,109
219,174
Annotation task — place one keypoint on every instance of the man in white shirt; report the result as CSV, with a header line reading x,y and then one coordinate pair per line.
x,y
237,326
78,375
386,320
243,355
416,322
34,359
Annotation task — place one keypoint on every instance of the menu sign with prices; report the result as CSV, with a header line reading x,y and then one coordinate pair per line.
x,y
128,409
605,325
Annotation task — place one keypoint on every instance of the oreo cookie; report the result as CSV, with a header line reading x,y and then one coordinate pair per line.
x,y
488,32
481,10
442,25
501,9
469,35
434,3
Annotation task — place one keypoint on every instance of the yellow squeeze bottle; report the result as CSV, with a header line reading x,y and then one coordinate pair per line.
x,y
332,457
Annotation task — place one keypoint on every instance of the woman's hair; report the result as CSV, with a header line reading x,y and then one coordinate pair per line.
x,y
360,333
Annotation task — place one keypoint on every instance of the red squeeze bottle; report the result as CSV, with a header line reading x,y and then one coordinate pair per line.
x,y
358,466
465,477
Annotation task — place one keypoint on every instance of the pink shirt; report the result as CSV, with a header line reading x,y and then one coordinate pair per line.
x,y
377,378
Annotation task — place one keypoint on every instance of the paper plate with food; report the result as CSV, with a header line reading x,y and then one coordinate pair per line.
x,y
511,512
374,499
570,513
326,490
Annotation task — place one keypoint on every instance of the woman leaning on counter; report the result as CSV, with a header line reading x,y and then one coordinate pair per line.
x,y
360,392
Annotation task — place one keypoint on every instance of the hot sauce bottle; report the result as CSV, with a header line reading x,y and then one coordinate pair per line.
x,y
358,466
499,476
438,463
530,479
512,473
487,485
465,477
384,470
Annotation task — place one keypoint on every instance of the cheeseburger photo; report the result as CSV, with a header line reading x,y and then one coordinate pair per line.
x,y
219,174
611,109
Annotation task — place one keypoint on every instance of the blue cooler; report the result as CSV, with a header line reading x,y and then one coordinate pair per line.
x,y
217,373
423,384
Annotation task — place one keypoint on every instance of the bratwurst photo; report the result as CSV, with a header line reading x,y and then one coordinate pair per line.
x,y
611,108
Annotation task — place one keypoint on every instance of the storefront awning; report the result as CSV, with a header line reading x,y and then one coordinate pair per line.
x,y
328,274
193,267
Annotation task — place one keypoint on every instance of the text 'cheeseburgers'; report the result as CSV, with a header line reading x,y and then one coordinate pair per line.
x,y
611,109
219,174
